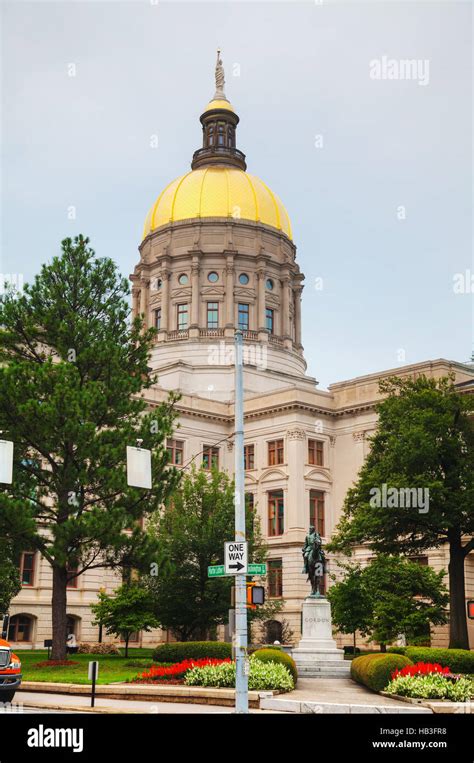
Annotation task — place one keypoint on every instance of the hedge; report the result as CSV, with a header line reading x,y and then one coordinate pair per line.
x,y
272,655
375,670
177,651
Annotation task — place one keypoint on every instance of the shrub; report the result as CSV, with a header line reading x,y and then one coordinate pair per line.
x,y
177,651
272,655
98,648
458,660
397,650
375,670
432,686
262,676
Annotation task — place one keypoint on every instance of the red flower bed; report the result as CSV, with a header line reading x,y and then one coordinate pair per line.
x,y
421,669
174,672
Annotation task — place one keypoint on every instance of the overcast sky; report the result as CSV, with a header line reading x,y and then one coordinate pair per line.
x,y
376,174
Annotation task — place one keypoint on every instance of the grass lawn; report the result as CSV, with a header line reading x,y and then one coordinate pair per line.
x,y
111,667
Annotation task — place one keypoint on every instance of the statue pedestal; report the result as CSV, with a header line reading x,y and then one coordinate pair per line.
x,y
317,655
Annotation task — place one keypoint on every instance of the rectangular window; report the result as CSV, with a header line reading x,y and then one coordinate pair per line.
x,y
275,513
210,457
316,510
315,452
158,318
175,449
27,568
275,578
269,319
182,317
243,317
275,452
212,315
72,570
249,456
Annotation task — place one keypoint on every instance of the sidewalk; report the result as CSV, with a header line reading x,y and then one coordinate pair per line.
x,y
336,695
81,704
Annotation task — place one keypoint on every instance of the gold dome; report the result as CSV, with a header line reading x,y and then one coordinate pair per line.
x,y
218,103
218,192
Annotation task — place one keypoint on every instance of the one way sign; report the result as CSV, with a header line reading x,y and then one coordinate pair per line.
x,y
235,557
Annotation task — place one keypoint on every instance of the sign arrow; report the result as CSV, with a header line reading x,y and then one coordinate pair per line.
x,y
237,566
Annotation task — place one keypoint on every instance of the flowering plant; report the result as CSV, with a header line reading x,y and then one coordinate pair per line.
x,y
176,671
432,686
262,675
421,669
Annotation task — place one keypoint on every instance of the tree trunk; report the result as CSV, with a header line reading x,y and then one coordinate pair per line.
x,y
458,636
354,642
59,616
127,638
383,647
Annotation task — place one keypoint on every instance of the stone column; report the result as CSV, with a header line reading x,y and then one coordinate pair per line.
x,y
135,301
195,297
165,286
144,301
297,293
229,294
285,311
261,275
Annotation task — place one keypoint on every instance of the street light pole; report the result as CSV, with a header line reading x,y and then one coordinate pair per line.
x,y
241,678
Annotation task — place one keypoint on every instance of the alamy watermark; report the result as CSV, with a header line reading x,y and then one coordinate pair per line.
x,y
253,354
11,282
416,69
400,498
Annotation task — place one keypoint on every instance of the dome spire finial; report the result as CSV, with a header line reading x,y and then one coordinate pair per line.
x,y
220,79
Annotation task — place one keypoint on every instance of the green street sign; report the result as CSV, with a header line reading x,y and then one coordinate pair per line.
x,y
257,569
216,571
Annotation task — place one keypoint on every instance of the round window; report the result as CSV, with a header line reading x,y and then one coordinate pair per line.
x,y
269,284
213,277
183,279
243,278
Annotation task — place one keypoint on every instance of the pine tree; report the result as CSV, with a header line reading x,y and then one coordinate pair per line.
x,y
72,370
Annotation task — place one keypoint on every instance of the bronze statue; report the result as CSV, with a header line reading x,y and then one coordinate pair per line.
x,y
314,561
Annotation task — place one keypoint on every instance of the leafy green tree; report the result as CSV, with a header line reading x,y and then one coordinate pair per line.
x,y
72,370
389,596
406,597
351,603
424,439
9,578
191,532
129,610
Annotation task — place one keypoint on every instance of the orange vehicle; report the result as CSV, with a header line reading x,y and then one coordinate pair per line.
x,y
10,672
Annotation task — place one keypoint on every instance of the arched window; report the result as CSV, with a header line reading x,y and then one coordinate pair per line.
x,y
273,631
20,628
72,625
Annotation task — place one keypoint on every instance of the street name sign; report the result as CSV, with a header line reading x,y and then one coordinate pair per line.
x,y
216,571
257,569
235,557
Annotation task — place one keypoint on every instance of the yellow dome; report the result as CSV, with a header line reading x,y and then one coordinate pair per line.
x,y
219,104
218,192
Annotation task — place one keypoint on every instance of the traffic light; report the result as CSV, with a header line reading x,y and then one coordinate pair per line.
x,y
255,596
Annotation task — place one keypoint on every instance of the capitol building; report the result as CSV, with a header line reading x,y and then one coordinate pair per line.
x,y
218,254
